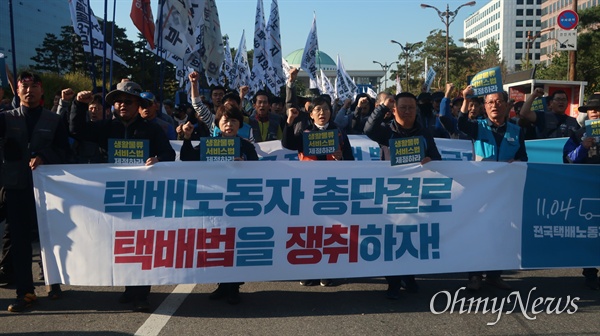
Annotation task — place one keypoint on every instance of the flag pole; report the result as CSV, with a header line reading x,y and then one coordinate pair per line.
x,y
112,43
104,48
12,42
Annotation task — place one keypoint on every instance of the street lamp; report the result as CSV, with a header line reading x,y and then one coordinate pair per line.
x,y
408,48
447,18
385,67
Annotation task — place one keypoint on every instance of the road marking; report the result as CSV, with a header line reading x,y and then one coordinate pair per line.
x,y
163,313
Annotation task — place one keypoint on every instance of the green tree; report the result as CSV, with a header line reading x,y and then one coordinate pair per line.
x,y
51,56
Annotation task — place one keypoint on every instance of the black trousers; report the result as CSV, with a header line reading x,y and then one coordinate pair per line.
x,y
21,220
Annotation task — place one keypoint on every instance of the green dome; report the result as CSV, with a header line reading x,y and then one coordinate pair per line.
x,y
323,61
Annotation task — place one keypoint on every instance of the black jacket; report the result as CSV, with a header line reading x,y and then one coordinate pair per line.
x,y
102,130
381,133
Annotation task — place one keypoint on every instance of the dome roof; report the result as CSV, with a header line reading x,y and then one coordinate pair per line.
x,y
323,62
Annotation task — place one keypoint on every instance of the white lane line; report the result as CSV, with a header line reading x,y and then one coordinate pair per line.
x,y
163,313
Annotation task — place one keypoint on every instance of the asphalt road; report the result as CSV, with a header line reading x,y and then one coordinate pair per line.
x,y
353,307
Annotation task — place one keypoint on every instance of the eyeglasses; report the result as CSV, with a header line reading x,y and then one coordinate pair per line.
x,y
124,101
494,102
560,99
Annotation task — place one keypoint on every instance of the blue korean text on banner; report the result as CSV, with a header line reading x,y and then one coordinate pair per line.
x,y
407,150
487,81
561,219
3,77
128,151
219,149
320,142
539,104
592,128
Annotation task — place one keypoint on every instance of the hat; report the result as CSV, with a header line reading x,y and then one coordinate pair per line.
x,y
130,88
457,100
168,102
593,102
149,96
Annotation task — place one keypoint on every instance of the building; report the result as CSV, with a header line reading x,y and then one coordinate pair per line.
x,y
362,78
515,25
33,19
550,11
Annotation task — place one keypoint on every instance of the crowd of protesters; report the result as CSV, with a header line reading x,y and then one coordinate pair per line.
x,y
77,129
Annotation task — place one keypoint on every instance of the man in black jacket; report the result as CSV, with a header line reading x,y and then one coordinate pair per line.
x,y
128,124
404,125
31,136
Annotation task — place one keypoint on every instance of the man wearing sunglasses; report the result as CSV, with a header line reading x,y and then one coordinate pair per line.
x,y
128,124
148,110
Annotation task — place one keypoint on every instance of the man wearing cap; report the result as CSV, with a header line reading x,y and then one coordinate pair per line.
x,y
148,110
128,124
31,136
553,123
583,148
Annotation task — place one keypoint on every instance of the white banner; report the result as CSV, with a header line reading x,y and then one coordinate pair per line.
x,y
169,36
309,56
430,77
242,69
260,57
212,41
276,78
227,69
344,85
204,222
81,16
325,85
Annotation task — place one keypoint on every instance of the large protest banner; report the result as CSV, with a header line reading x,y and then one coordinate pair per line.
x,y
199,222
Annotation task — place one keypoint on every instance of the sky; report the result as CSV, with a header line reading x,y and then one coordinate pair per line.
x,y
358,30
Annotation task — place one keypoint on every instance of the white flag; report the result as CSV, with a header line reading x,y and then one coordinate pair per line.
x,y
371,93
309,57
286,69
167,55
169,36
326,87
430,77
425,71
240,64
260,58
344,85
212,53
191,14
398,85
227,69
81,15
276,78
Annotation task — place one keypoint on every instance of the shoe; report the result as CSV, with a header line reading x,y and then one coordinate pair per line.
x,y
475,283
498,283
22,303
126,297
410,284
393,292
141,305
592,282
219,293
308,282
6,278
54,291
326,282
233,295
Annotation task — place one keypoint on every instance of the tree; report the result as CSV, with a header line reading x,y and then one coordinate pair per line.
x,y
51,56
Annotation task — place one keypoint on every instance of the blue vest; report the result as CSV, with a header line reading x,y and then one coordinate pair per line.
x,y
485,145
